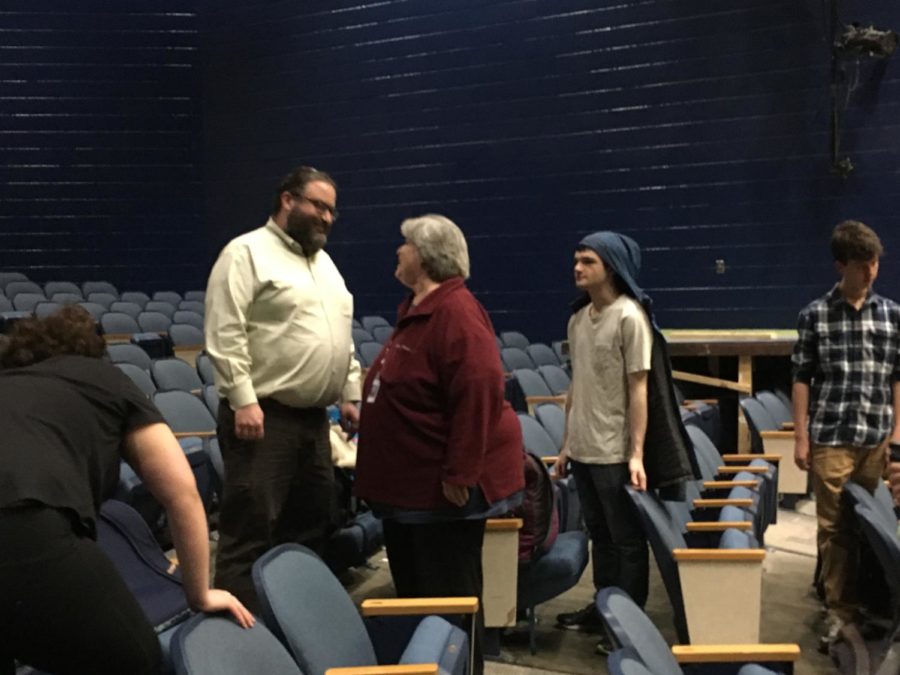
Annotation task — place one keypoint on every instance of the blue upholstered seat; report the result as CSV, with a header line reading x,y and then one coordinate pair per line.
x,y
310,612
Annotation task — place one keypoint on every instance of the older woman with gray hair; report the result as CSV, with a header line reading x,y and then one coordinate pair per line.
x,y
440,450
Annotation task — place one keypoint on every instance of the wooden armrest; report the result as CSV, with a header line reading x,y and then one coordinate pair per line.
x,y
502,524
408,669
716,503
777,435
739,469
742,457
735,653
200,434
718,526
418,606
787,426
725,484
717,382
536,400
719,554
549,460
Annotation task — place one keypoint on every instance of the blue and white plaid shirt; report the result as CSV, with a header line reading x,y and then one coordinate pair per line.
x,y
850,358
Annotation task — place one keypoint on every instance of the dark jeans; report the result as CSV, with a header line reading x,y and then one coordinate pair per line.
x,y
618,544
278,489
439,560
63,606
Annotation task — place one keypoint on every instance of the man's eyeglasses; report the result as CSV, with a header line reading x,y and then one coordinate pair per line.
x,y
319,205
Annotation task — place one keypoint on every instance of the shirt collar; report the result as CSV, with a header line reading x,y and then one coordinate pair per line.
x,y
835,297
285,238
431,301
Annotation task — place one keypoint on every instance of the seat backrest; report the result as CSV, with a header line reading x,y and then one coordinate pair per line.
x,y
514,358
171,297
197,306
205,368
531,382
883,540
535,438
216,645
361,335
708,457
139,376
880,503
194,296
119,323
553,418
14,288
128,353
26,302
369,322
174,373
67,298
153,322
160,306
132,309
129,544
307,608
758,416
93,309
382,333
183,334
7,278
211,399
542,355
89,287
512,338
633,629
53,287
190,318
44,309
5,304
100,298
773,405
556,378
664,536
184,412
137,297
369,351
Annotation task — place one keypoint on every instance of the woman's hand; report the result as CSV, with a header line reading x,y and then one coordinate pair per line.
x,y
216,600
457,495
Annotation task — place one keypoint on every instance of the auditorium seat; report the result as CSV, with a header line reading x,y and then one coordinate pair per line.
x,y
89,287
132,309
173,373
694,578
310,612
170,297
137,297
633,632
53,287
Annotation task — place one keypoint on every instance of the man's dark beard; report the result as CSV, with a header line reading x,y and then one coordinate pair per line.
x,y
304,229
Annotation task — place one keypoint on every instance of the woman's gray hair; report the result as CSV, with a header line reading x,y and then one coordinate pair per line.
x,y
441,245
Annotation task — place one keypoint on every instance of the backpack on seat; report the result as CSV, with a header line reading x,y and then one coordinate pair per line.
x,y
540,518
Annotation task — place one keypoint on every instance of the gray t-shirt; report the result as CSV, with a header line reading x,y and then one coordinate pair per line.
x,y
605,347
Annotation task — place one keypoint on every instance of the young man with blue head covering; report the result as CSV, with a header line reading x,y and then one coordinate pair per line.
x,y
610,344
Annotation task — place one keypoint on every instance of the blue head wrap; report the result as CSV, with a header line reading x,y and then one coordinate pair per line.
x,y
622,256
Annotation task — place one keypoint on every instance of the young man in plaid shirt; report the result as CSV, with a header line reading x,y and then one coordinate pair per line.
x,y
846,400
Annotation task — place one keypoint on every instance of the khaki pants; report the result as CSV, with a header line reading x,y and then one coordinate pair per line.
x,y
838,535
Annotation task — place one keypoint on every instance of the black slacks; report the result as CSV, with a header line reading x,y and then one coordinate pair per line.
x,y
63,606
439,560
619,551
278,489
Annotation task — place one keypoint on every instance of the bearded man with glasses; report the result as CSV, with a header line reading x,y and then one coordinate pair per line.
x,y
278,331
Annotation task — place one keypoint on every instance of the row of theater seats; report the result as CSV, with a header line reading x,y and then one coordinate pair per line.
x,y
187,398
